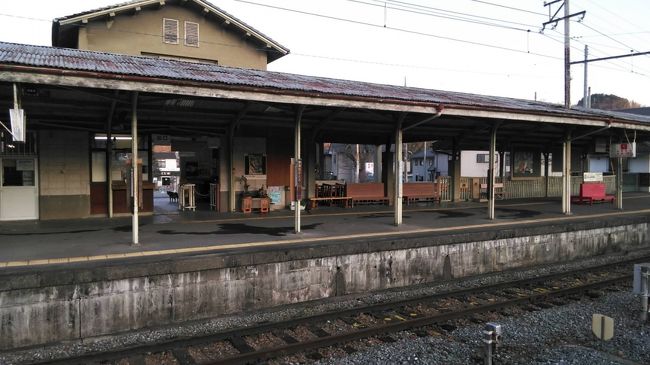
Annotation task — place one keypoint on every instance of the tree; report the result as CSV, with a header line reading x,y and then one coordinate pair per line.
x,y
610,102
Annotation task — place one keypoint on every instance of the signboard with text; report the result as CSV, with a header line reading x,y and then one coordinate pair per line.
x,y
592,177
625,150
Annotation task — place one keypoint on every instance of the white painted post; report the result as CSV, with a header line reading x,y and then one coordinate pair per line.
x,y
566,175
232,203
134,167
398,171
297,161
491,172
619,184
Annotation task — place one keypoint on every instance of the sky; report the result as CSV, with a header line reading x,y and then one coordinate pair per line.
x,y
489,47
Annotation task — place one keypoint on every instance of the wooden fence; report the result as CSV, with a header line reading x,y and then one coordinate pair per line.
x,y
524,188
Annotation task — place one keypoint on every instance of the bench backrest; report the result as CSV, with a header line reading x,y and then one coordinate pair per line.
x,y
592,190
420,189
361,190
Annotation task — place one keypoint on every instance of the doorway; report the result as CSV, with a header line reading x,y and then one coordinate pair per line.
x,y
18,188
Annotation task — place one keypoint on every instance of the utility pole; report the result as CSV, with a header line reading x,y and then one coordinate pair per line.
x,y
585,101
567,42
567,57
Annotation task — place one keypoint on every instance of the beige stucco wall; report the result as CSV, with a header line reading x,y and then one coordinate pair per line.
x,y
142,34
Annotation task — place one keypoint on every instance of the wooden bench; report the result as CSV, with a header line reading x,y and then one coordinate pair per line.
x,y
592,192
366,193
345,200
498,191
330,193
421,191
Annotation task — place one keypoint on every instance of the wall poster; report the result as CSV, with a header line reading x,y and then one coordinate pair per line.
x,y
526,164
255,164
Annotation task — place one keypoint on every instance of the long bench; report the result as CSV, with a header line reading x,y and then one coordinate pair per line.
x,y
421,191
366,193
592,192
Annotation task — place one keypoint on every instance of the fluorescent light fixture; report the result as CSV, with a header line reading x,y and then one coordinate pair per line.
x,y
101,137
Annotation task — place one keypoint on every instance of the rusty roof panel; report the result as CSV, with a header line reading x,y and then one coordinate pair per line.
x,y
116,64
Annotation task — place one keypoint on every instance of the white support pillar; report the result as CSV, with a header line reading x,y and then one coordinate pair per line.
x,y
619,184
566,175
491,172
232,203
399,165
297,169
134,168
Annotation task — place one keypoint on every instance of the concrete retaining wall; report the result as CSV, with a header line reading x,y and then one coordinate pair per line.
x,y
68,304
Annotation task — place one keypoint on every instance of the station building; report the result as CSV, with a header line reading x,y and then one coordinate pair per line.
x,y
194,78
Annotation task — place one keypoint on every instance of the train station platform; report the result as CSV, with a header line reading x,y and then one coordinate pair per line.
x,y
25,245
74,280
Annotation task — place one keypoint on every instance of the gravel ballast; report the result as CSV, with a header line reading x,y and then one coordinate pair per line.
x,y
456,347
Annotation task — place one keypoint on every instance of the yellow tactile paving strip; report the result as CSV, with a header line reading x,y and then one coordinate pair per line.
x,y
217,248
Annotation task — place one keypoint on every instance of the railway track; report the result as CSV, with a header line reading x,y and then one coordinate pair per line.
x,y
306,335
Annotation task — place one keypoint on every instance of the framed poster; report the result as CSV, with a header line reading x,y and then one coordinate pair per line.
x,y
255,164
526,164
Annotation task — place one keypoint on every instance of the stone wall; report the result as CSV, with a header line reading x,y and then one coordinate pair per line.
x,y
73,303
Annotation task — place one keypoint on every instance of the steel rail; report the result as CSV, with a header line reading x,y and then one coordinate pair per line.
x,y
266,354
274,326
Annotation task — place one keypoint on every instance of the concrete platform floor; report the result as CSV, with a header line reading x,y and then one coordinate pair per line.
x,y
37,243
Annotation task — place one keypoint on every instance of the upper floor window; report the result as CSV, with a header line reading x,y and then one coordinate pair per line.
x,y
191,34
170,31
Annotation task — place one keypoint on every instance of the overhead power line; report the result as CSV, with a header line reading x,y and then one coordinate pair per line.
x,y
508,7
408,31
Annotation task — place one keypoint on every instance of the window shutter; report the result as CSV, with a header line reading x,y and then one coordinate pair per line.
x,y
191,34
170,31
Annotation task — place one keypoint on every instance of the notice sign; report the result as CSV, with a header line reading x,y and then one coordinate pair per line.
x,y
25,165
625,150
592,177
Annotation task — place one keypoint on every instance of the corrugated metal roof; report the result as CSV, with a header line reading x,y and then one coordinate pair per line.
x,y
116,64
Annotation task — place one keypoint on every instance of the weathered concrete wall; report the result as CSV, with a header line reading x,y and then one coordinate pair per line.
x,y
68,304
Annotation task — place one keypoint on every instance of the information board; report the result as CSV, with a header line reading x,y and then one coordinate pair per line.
x,y
625,150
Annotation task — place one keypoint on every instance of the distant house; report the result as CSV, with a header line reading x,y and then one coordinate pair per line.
x,y
189,30
428,166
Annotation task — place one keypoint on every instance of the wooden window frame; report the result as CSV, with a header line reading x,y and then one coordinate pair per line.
x,y
198,32
164,33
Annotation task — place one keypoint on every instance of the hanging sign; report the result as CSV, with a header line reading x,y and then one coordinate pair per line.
x,y
625,150
298,178
17,118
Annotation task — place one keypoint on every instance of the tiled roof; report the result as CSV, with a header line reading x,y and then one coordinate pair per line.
x,y
123,65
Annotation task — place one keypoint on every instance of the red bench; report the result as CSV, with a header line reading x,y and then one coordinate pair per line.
x,y
421,191
591,192
366,193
